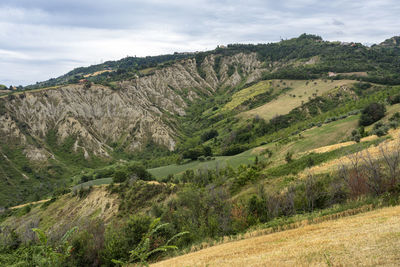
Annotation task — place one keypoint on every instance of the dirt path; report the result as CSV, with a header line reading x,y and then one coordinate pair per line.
x,y
367,239
30,203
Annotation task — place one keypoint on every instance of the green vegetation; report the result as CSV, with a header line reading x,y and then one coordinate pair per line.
x,y
143,250
248,94
116,70
372,113
243,160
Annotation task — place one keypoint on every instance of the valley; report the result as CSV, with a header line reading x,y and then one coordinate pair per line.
x,y
234,155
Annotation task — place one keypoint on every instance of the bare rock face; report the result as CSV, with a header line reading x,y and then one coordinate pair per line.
x,y
138,111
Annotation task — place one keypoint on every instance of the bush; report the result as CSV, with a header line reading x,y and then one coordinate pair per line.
x,y
380,129
288,157
84,191
207,151
233,150
209,135
394,99
140,172
119,241
372,113
193,153
119,176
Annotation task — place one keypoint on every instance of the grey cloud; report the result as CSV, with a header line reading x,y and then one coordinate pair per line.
x,y
337,22
42,39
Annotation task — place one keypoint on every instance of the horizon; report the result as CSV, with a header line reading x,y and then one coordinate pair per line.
x,y
170,53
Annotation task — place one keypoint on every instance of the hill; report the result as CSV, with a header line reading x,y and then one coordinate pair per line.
x,y
128,109
205,147
366,239
391,42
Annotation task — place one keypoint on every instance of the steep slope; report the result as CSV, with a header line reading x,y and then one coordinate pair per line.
x,y
72,124
139,109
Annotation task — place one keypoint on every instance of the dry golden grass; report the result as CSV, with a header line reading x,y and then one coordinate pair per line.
x,y
302,91
67,209
375,152
367,239
325,149
96,73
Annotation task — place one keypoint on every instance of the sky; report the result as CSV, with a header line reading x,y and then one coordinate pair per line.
x,y
43,39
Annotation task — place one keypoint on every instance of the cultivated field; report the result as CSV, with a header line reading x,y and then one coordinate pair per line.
x,y
366,239
248,93
300,92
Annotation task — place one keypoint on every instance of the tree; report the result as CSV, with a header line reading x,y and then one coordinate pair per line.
x,y
372,113
192,154
139,171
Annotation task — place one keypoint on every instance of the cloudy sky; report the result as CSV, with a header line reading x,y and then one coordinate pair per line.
x,y
42,39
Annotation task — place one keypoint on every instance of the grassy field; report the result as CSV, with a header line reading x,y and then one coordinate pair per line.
x,y
314,138
327,134
248,93
301,91
366,239
246,157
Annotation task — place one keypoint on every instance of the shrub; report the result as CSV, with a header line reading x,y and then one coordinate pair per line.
x,y
380,129
288,157
394,99
209,135
119,241
193,153
145,248
87,84
207,152
140,172
395,117
233,150
84,191
119,176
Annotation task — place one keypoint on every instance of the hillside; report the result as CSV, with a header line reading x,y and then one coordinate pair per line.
x,y
367,239
200,148
154,109
72,124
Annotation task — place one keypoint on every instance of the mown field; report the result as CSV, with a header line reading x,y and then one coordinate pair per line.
x,y
367,239
300,92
